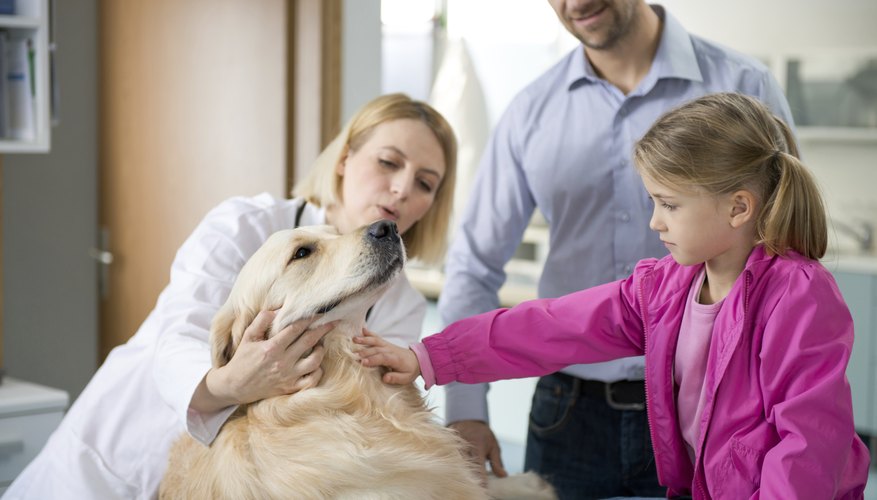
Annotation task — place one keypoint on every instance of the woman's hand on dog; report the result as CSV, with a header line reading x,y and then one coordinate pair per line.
x,y
401,363
263,367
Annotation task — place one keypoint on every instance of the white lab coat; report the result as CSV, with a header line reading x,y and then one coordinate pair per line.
x,y
114,440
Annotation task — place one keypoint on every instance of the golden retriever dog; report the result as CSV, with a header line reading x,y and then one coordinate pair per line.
x,y
352,436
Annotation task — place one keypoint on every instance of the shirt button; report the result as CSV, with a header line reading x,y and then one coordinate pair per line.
x,y
624,216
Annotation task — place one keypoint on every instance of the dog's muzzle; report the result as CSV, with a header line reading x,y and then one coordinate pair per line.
x,y
383,237
383,231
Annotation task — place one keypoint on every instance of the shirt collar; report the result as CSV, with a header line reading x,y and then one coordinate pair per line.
x,y
675,57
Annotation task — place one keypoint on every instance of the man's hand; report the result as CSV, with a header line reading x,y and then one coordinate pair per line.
x,y
483,446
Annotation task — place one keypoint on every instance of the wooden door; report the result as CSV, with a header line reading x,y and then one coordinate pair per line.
x,y
193,110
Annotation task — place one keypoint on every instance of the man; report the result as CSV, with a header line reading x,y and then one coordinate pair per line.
x,y
564,145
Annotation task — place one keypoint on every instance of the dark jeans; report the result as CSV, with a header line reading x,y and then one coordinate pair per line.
x,y
587,449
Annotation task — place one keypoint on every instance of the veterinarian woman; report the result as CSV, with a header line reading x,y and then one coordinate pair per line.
x,y
395,159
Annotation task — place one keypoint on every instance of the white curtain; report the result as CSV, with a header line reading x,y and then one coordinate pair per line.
x,y
456,94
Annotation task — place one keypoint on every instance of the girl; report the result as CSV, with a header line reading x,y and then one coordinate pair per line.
x,y
745,335
395,159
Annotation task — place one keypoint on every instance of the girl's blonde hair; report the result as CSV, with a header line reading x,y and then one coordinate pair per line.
x,y
725,142
426,240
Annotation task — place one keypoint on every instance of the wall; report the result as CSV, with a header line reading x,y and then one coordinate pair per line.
x,y
361,55
756,26
846,169
49,225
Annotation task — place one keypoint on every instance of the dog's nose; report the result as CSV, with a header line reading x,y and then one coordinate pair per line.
x,y
382,229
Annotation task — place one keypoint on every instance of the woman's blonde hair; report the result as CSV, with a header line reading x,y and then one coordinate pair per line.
x,y
426,240
725,142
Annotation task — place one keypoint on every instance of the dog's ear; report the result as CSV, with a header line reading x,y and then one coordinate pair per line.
x,y
227,331
222,337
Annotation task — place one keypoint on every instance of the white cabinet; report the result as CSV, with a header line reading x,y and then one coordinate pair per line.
x,y
860,293
28,106
28,415
832,93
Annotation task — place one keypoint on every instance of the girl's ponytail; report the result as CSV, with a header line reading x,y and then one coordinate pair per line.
x,y
793,215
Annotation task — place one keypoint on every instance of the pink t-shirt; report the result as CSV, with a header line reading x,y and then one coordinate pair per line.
x,y
692,352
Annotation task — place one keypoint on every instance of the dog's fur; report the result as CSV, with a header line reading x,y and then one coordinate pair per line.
x,y
351,437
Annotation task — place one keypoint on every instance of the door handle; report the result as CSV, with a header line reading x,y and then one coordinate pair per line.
x,y
104,258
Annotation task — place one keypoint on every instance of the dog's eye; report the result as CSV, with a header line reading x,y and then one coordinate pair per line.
x,y
301,253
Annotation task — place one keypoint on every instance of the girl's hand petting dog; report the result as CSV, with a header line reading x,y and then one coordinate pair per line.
x,y
401,363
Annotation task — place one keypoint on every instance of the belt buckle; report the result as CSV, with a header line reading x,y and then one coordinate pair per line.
x,y
615,405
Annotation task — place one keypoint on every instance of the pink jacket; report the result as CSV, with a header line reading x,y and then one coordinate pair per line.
x,y
778,417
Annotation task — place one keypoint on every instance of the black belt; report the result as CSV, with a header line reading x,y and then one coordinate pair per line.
x,y
621,395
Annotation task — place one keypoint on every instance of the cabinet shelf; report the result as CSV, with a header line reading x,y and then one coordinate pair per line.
x,y
32,133
22,146
837,134
20,22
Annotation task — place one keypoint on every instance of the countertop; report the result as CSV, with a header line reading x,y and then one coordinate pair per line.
x,y
20,397
850,263
520,287
430,282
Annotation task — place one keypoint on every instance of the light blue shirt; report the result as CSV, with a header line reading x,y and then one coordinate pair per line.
x,y
565,145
